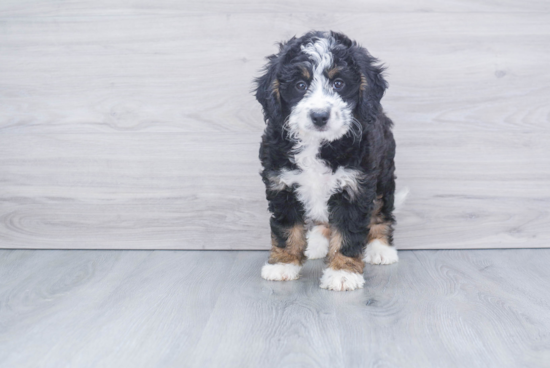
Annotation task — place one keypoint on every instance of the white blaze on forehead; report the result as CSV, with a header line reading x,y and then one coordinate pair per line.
x,y
320,54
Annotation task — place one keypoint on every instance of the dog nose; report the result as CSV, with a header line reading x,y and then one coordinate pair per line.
x,y
320,117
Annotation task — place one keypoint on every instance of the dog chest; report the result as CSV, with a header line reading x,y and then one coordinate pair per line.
x,y
316,182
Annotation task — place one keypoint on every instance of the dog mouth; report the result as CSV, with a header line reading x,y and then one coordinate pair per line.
x,y
321,128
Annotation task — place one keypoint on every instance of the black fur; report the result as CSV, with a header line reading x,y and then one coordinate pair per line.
x,y
370,150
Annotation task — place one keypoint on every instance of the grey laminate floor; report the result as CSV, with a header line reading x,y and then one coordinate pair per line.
x,y
468,308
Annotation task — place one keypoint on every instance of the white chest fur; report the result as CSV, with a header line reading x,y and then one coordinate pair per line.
x,y
316,182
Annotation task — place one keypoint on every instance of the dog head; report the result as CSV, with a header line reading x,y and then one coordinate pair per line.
x,y
320,86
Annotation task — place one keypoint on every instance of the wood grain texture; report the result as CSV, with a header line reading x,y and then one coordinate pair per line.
x,y
170,191
114,71
468,308
157,191
44,7
128,124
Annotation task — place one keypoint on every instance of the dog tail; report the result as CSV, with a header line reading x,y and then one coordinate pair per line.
x,y
400,198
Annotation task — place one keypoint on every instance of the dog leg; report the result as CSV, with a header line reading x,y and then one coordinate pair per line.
x,y
349,218
317,242
343,273
287,254
379,249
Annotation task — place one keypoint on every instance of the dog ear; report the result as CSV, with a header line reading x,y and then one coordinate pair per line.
x,y
267,90
373,84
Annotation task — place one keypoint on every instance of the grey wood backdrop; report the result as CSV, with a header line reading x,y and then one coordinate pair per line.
x,y
131,124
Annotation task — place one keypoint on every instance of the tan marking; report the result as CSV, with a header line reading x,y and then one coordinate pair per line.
x,y
337,261
305,72
378,203
380,232
275,88
364,84
335,244
332,72
341,262
293,252
378,228
325,230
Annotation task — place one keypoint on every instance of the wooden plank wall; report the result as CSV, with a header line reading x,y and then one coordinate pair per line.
x,y
131,124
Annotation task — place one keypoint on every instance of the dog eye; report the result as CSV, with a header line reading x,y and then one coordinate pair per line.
x,y
301,86
338,84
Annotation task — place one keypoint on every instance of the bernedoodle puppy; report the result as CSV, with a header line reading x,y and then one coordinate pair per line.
x,y
328,159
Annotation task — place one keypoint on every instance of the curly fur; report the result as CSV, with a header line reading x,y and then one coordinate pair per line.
x,y
333,173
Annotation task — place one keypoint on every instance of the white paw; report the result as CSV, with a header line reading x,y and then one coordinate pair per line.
x,y
341,280
280,271
380,253
317,244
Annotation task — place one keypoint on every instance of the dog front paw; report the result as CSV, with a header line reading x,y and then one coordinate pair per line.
x,y
281,271
380,253
341,280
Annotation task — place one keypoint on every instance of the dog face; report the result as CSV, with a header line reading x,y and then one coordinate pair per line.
x,y
321,86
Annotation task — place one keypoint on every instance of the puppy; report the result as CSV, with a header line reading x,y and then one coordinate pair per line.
x,y
327,154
